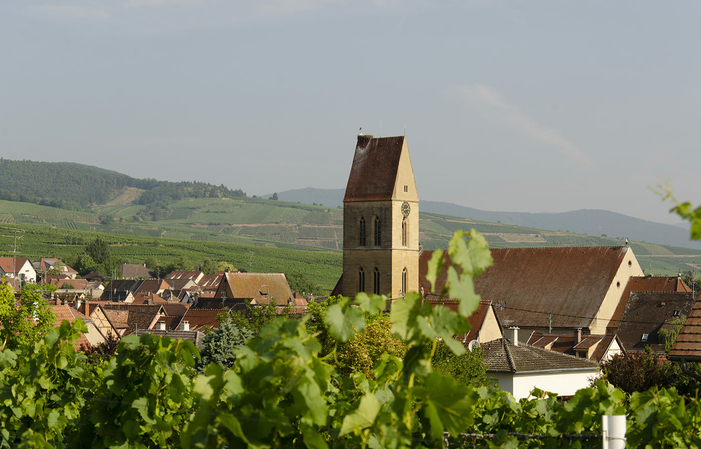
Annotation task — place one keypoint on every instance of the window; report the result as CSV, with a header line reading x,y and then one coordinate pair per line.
x,y
376,281
361,280
361,232
406,188
404,277
378,240
404,232
644,338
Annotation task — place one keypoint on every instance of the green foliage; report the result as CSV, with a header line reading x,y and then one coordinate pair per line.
x,y
182,263
633,372
468,368
220,346
669,335
98,251
301,284
28,320
685,210
253,318
208,266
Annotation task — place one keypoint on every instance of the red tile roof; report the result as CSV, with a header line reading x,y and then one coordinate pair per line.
x,y
374,170
688,343
501,356
67,313
7,263
645,284
199,318
525,284
258,287
646,313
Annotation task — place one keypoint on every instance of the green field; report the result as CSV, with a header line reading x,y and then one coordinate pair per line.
x,y
214,223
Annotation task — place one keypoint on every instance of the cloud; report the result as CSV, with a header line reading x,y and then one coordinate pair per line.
x,y
73,12
511,116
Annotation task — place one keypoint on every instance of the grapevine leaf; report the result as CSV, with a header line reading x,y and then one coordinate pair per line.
x,y
342,326
363,417
404,315
313,439
434,268
370,304
141,405
451,403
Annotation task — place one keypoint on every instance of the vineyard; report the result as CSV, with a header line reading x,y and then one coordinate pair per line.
x,y
282,391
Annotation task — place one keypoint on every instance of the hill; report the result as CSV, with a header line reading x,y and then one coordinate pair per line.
x,y
591,222
74,186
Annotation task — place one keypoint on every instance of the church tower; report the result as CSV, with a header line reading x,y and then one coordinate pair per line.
x,y
381,220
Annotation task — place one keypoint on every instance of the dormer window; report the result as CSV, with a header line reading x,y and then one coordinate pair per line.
x,y
675,313
644,338
378,239
361,232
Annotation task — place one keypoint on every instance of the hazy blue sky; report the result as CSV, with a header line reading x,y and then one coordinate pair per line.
x,y
538,106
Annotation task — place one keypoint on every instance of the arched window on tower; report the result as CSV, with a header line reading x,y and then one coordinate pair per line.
x,y
376,281
361,232
361,280
378,232
404,232
404,280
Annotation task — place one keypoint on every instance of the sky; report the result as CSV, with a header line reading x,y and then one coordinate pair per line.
x,y
538,106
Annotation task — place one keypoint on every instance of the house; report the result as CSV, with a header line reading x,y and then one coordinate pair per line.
x,y
236,289
519,368
155,286
597,348
193,276
645,284
552,289
20,268
687,347
92,337
200,319
649,315
45,264
136,271
127,318
97,314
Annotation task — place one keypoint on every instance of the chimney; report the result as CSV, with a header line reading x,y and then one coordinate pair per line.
x,y
513,335
185,326
578,336
161,326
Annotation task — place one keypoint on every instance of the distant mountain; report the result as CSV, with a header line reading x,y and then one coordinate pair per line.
x,y
591,222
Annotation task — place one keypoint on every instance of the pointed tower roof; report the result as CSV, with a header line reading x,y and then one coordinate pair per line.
x,y
375,166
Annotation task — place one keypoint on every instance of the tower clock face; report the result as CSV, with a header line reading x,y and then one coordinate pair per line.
x,y
406,209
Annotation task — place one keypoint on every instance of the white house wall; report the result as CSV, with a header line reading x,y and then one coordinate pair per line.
x,y
563,384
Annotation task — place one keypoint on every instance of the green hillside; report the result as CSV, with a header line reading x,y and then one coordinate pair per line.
x,y
211,223
322,268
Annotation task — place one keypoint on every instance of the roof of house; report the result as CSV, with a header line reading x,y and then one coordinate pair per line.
x,y
566,343
374,170
192,275
258,287
94,275
210,281
152,285
526,285
135,270
645,284
77,284
646,313
688,343
45,263
7,263
199,318
127,315
502,356
65,312
147,298
125,285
